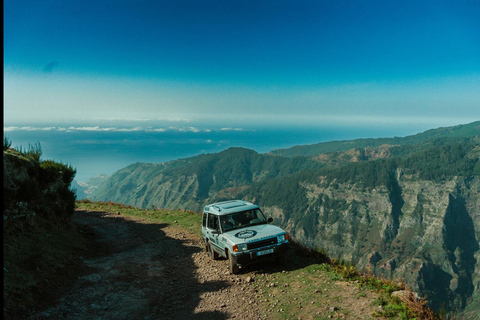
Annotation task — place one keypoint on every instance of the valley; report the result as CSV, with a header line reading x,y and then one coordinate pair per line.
x,y
403,208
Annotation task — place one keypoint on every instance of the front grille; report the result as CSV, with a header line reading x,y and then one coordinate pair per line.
x,y
262,243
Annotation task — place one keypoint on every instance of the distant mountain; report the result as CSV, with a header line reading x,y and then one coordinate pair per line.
x,y
190,183
403,207
466,130
83,190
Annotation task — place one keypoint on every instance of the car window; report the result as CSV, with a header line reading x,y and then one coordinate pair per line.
x,y
213,221
227,222
204,219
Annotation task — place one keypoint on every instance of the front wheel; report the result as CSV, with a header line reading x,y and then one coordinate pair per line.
x,y
234,269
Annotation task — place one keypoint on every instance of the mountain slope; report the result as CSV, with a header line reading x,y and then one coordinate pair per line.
x,y
415,218
188,183
83,190
466,130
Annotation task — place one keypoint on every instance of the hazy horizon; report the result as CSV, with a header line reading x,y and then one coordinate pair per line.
x,y
105,147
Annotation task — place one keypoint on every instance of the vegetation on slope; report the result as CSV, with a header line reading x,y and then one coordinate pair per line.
x,y
196,179
437,161
39,239
467,130
349,228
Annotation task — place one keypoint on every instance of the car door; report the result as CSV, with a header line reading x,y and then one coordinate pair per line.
x,y
213,230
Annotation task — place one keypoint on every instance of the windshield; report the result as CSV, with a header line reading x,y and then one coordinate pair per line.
x,y
242,219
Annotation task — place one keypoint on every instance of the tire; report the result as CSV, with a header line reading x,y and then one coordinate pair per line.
x,y
213,254
233,267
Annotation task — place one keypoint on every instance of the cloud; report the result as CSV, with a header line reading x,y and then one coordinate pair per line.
x,y
50,66
9,129
189,129
104,129
95,128
231,129
27,128
130,129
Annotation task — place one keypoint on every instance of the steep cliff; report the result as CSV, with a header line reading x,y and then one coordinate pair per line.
x,y
424,232
406,218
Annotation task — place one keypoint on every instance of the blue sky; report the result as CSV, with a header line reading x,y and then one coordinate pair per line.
x,y
282,62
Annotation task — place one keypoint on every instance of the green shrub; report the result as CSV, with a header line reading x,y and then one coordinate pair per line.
x,y
51,170
33,152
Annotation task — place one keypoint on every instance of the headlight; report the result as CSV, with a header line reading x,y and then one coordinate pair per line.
x,y
282,238
239,247
242,247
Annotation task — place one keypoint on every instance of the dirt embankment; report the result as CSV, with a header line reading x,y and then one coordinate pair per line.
x,y
139,270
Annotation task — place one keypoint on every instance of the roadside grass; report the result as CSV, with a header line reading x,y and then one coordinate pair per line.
x,y
310,286
187,220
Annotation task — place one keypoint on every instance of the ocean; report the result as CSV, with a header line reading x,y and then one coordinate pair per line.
x,y
103,148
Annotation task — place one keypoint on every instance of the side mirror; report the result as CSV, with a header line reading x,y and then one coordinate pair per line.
x,y
215,232
270,220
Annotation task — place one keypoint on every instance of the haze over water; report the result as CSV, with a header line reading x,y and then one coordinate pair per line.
x,y
104,147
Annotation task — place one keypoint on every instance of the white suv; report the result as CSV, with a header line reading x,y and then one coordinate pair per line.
x,y
238,230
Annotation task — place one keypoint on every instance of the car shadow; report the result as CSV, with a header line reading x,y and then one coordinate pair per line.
x,y
298,257
133,270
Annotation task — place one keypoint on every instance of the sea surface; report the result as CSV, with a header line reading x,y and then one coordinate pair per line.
x,y
103,148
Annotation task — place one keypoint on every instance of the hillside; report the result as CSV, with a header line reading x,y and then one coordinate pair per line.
x,y
403,207
466,130
415,218
188,183
84,190
39,238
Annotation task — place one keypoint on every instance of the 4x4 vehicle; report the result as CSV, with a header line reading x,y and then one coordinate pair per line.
x,y
238,231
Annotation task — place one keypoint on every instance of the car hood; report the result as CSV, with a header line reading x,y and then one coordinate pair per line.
x,y
253,233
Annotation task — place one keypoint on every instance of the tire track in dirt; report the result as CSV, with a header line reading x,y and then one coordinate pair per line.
x,y
136,269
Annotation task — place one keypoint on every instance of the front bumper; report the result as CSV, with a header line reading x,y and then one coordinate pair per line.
x,y
249,257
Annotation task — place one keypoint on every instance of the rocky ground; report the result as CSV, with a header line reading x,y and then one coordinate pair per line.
x,y
139,270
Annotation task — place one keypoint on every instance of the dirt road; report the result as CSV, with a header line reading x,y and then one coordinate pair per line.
x,y
140,270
